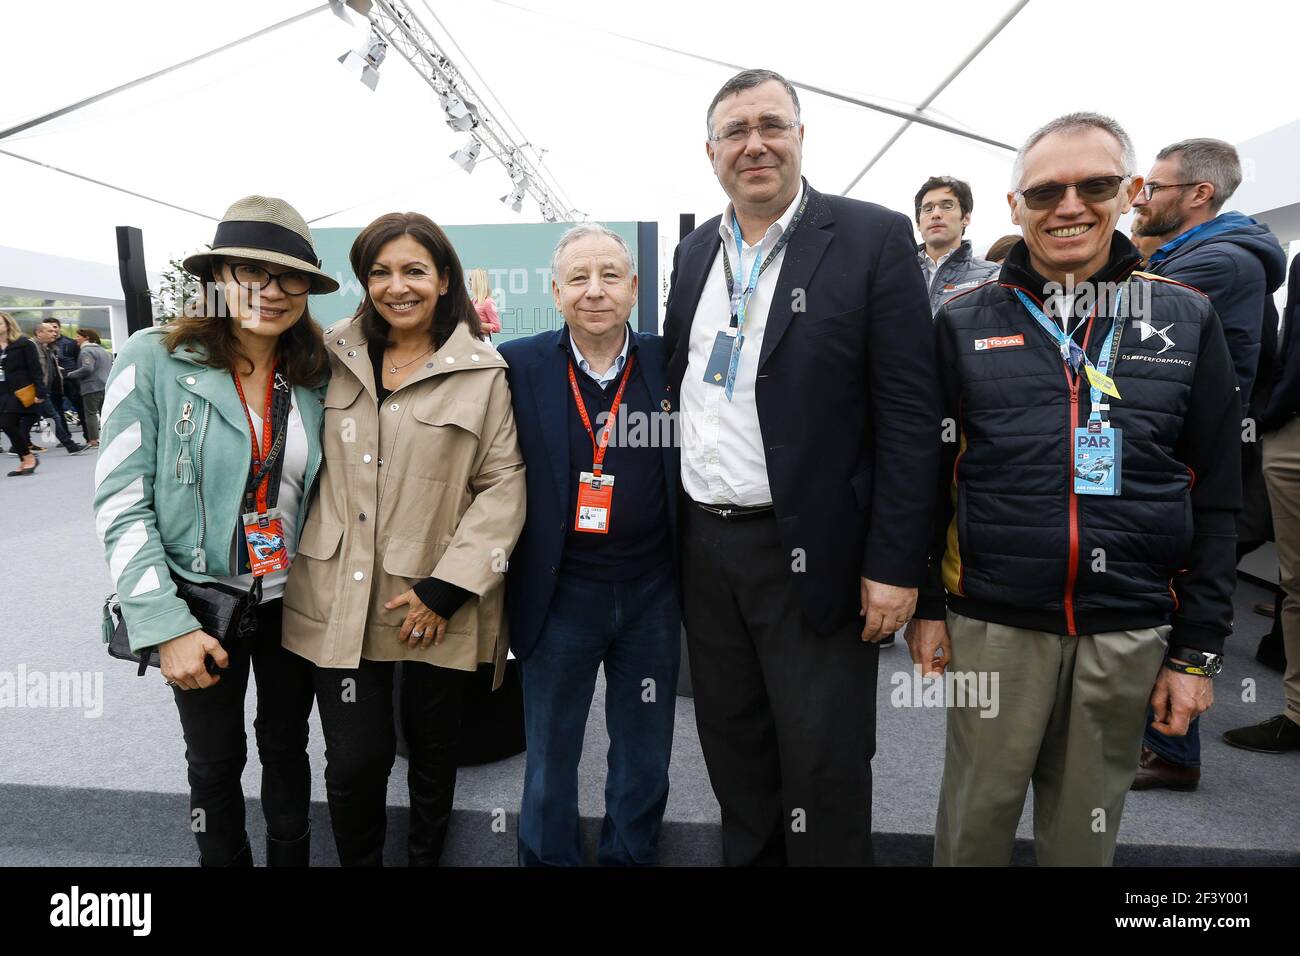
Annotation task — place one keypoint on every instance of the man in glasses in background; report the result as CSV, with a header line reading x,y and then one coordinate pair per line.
x,y
950,267
1083,564
1238,263
796,338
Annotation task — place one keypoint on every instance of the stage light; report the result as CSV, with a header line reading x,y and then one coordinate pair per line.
x,y
467,155
462,116
360,6
515,200
367,59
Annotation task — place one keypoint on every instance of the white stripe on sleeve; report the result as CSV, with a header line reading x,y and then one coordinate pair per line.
x,y
148,582
116,452
128,546
112,509
122,386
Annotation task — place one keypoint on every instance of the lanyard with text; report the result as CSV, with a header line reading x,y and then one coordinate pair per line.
x,y
595,488
1098,447
739,298
263,526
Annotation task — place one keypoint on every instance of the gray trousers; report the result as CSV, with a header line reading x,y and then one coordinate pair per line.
x,y
1069,719
93,403
1282,474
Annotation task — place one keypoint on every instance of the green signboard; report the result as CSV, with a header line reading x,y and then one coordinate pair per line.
x,y
517,258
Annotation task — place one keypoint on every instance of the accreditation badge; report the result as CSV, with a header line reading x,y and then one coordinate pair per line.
x,y
595,502
715,373
1097,456
264,535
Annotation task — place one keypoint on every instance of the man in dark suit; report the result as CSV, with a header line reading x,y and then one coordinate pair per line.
x,y
591,580
802,361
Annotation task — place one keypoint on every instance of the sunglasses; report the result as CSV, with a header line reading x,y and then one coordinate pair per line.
x,y
1093,189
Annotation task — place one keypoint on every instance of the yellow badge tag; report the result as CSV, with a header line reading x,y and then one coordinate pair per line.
x,y
1103,383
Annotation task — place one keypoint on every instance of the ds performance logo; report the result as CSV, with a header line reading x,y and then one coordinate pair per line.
x,y
1147,330
76,909
998,342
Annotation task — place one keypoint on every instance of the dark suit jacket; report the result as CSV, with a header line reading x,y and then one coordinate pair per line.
x,y
847,398
539,391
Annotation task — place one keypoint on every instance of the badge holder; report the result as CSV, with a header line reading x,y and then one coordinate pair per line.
x,y
595,502
263,524
595,488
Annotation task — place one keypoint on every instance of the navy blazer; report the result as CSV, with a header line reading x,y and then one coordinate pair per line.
x,y
539,392
847,395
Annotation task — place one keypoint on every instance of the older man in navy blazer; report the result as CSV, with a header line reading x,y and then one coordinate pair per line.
x,y
801,350
592,579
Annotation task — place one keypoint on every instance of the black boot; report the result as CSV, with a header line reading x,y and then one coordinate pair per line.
x,y
432,784
1272,651
244,858
360,823
289,852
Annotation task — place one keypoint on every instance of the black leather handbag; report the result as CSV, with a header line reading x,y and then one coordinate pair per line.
x,y
224,612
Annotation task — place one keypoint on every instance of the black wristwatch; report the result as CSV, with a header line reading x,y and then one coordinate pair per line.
x,y
1199,663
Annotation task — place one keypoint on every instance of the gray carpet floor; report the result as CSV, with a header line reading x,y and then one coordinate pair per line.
x,y
72,778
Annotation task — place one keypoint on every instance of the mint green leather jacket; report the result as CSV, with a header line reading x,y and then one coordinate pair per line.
x,y
174,457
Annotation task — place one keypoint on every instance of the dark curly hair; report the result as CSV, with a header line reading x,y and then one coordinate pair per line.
x,y
959,189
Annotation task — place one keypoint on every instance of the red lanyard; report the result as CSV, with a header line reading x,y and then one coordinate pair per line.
x,y
598,447
259,455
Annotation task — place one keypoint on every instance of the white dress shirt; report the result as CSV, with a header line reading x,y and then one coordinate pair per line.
x,y
931,267
614,371
723,459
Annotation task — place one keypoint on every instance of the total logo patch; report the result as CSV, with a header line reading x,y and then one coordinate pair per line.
x,y
998,342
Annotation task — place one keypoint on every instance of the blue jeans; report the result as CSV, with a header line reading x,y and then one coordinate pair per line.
x,y
46,410
1184,751
634,629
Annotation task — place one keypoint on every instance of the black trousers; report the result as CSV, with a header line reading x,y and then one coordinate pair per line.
x,y
356,711
786,717
11,423
216,747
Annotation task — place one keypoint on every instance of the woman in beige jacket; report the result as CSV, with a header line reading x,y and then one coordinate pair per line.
x,y
403,557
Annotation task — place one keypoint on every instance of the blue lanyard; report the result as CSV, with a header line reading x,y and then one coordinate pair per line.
x,y
1073,354
740,298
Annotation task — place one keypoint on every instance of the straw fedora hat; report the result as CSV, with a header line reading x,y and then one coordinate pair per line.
x,y
267,230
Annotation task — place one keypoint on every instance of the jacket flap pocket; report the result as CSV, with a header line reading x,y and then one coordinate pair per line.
x,y
438,410
409,558
320,540
342,391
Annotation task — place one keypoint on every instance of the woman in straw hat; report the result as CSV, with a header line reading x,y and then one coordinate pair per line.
x,y
403,557
210,444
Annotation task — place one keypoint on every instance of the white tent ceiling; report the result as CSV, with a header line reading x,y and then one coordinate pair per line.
x,y
622,121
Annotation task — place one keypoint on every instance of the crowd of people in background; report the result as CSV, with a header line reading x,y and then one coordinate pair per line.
x,y
49,377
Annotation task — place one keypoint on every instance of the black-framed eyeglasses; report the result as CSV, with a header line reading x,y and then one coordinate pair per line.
x,y
947,205
1092,189
252,276
770,131
1149,190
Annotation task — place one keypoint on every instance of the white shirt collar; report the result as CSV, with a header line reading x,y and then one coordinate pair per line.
x,y
610,373
773,231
